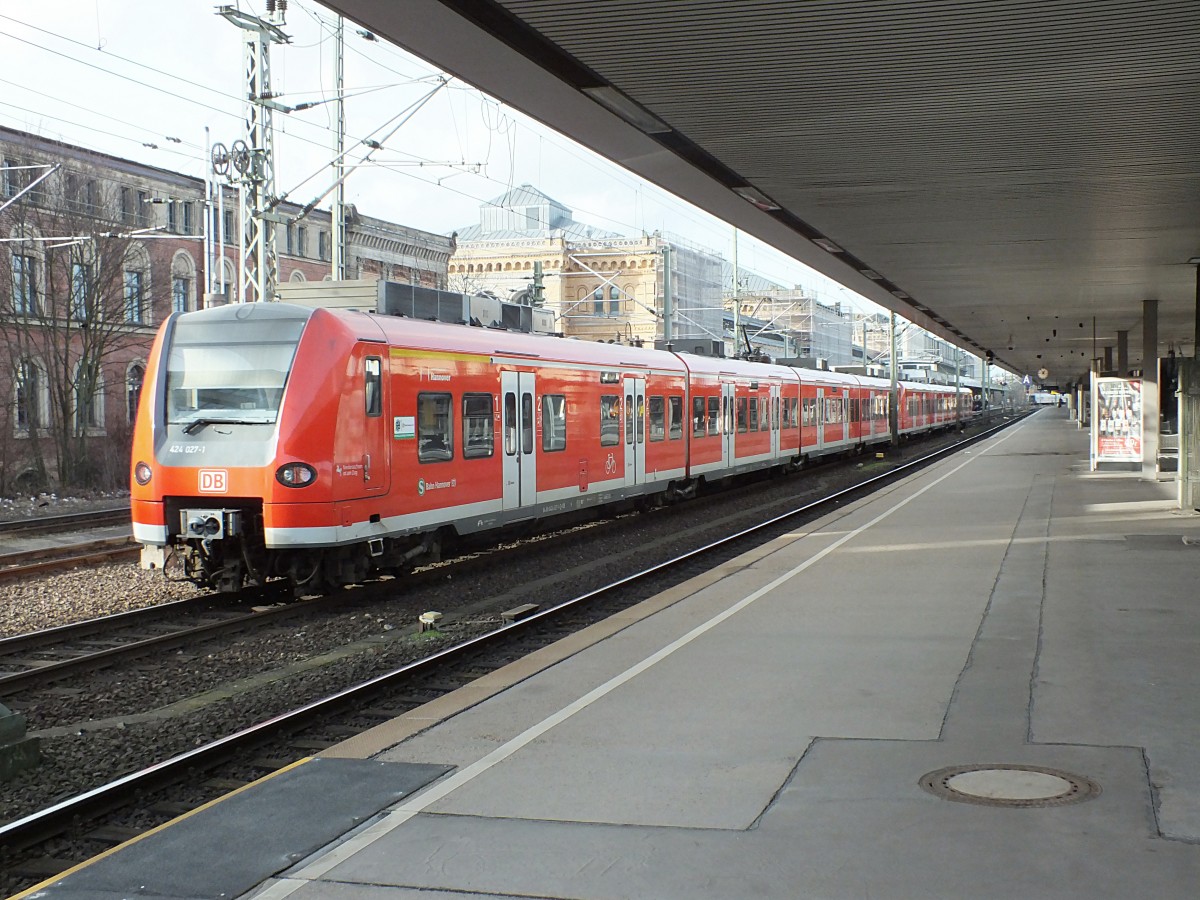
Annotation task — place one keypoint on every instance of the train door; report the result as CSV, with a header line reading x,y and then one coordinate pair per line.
x,y
363,437
774,413
377,468
820,418
845,415
635,431
728,426
517,421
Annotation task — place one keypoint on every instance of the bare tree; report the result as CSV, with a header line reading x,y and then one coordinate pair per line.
x,y
79,299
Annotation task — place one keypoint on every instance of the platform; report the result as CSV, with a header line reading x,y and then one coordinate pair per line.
x,y
808,720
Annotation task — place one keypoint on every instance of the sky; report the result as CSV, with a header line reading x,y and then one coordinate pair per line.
x,y
144,79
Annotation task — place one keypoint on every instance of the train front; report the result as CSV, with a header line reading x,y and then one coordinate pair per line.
x,y
204,445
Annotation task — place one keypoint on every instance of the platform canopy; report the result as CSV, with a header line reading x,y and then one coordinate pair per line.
x,y
1002,172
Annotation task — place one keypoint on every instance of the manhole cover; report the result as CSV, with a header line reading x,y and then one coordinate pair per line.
x,y
1012,786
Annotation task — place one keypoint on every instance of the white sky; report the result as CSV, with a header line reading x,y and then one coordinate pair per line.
x,y
118,75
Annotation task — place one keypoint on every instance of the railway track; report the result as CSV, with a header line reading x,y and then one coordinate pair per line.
x,y
35,660
68,522
282,738
27,563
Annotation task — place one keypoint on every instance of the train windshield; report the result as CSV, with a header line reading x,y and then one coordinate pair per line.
x,y
217,373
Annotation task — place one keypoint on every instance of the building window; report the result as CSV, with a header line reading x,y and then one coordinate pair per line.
x,y
598,301
24,277
301,240
128,215
134,298
614,300
133,389
89,398
230,233
322,245
81,280
290,243
179,294
12,178
28,396
189,225
173,216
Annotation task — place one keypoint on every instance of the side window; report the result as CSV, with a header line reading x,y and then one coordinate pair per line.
x,y
753,414
699,428
510,424
629,418
610,420
675,418
728,415
478,438
658,425
741,414
435,428
554,422
641,420
373,385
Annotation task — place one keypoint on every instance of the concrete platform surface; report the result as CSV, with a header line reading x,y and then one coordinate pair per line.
x,y
779,728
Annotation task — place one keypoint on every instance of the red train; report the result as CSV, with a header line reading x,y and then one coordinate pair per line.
x,y
319,445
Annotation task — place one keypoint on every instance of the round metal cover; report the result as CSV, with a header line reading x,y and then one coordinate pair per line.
x,y
1009,785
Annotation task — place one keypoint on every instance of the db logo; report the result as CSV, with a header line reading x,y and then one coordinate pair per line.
x,y
213,481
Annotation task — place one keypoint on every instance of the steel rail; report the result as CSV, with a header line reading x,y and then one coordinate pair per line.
x,y
67,522
45,824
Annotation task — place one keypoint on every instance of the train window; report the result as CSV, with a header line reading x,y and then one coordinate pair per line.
x,y
658,424
527,423
764,421
714,415
554,422
435,428
478,437
753,415
675,418
373,385
510,424
808,412
641,420
741,414
610,420
629,418
699,428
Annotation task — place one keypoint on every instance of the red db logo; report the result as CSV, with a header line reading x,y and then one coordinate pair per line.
x,y
213,481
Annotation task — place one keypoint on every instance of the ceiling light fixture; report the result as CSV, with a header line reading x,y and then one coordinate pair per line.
x,y
871,273
827,245
757,197
633,113
901,295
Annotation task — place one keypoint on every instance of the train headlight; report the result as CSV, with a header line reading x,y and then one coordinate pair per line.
x,y
296,474
142,473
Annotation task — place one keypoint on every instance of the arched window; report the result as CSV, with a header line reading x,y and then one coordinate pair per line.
x,y
598,301
135,376
183,282
31,397
89,397
136,286
297,276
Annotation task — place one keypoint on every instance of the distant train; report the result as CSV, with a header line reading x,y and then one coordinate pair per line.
x,y
276,441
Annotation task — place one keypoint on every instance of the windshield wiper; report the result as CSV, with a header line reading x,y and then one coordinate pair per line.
x,y
196,424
